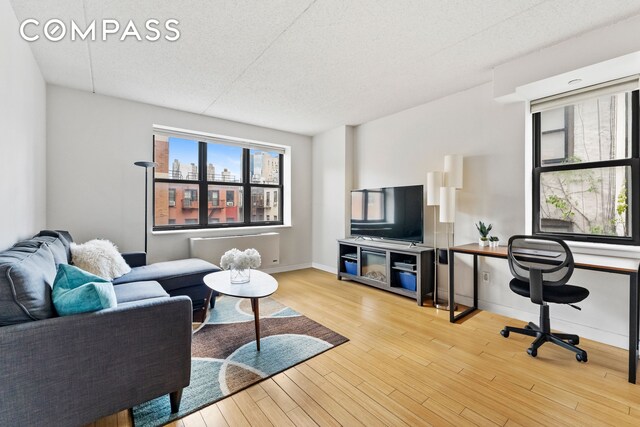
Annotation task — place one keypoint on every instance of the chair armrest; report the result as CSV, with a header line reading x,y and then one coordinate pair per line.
x,y
73,370
135,259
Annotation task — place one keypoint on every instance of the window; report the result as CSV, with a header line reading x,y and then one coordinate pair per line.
x,y
214,198
231,198
232,176
586,174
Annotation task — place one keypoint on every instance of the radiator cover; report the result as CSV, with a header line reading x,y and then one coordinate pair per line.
x,y
212,248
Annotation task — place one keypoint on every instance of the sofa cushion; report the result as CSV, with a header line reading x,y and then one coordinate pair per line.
x,y
27,272
77,291
54,244
171,274
137,291
65,239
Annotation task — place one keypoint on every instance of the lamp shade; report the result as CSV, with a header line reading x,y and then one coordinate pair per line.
x,y
434,182
453,170
447,204
146,164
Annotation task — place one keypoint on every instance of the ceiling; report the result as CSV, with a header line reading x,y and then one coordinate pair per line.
x,y
305,66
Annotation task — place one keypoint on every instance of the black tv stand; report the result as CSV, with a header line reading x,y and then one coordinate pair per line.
x,y
387,266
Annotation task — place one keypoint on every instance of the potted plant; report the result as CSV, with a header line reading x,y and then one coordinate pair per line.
x,y
484,233
494,241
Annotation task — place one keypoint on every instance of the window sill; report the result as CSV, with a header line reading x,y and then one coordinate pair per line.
x,y
227,231
622,251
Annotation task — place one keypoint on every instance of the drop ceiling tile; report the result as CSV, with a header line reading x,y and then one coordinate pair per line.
x,y
219,40
308,65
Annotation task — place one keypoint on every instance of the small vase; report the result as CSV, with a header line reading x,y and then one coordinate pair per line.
x,y
483,242
240,276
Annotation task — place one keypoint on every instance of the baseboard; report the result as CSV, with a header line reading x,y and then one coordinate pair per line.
x,y
589,332
443,297
328,269
285,268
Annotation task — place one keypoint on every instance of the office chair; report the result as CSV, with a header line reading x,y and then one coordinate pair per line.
x,y
541,267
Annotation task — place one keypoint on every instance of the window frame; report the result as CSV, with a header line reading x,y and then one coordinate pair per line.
x,y
203,189
633,196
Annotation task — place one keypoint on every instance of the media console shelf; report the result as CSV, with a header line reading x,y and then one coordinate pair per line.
x,y
394,267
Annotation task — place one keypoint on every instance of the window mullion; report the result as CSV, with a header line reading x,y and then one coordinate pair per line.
x,y
246,180
635,124
281,182
202,178
586,165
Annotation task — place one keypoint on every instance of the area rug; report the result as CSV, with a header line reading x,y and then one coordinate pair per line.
x,y
225,359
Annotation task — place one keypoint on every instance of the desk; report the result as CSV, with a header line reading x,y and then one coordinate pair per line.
x,y
606,264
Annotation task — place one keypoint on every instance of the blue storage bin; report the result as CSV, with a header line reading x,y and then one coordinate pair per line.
x,y
408,280
351,267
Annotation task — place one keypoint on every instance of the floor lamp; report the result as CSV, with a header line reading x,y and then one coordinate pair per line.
x,y
146,166
448,216
434,182
452,181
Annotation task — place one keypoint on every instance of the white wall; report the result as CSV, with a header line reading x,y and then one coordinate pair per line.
x,y
94,190
400,149
23,140
332,182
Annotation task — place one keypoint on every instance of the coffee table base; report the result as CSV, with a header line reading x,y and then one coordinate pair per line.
x,y
255,306
261,285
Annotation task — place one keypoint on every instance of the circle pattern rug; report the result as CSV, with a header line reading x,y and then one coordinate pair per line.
x,y
225,359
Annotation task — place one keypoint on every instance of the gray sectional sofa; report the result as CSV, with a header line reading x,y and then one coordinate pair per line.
x,y
72,370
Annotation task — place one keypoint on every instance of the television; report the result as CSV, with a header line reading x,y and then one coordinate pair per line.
x,y
394,213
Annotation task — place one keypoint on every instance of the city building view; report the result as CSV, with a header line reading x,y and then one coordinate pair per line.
x,y
178,203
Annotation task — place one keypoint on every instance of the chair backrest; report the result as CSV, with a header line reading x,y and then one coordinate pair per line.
x,y
551,256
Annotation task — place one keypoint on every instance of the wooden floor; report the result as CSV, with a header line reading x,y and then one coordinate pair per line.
x,y
407,365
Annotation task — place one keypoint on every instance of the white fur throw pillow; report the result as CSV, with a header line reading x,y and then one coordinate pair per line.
x,y
99,257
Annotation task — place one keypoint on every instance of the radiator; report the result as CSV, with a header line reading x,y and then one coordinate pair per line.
x,y
212,248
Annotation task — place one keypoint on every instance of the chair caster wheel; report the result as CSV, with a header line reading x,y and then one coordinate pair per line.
x,y
532,352
504,333
581,357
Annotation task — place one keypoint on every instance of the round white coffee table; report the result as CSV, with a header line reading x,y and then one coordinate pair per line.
x,y
261,285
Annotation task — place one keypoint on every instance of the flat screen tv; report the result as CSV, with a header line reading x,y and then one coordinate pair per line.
x,y
388,213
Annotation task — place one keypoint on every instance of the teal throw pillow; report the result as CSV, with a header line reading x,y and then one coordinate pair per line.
x,y
77,291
